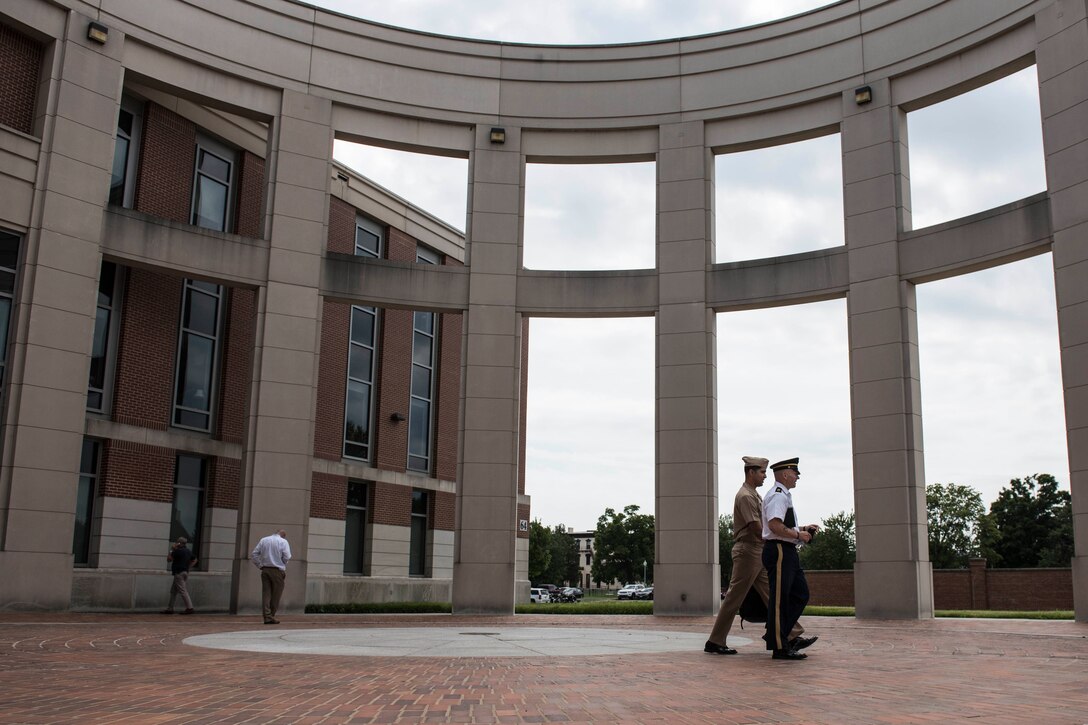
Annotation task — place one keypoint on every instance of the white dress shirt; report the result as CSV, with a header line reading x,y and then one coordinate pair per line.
x,y
272,550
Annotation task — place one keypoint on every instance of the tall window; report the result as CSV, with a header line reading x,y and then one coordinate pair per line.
x,y
88,485
424,351
9,260
355,528
125,152
197,349
187,513
105,334
362,353
212,185
417,546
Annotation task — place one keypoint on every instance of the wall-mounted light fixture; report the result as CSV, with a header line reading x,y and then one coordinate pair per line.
x,y
863,95
341,176
498,135
397,417
98,32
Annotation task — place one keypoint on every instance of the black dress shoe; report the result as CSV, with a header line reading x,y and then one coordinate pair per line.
x,y
271,621
788,654
799,643
717,649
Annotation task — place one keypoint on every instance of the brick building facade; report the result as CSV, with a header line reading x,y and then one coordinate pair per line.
x,y
172,365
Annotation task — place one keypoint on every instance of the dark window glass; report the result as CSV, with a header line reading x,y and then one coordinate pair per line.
x,y
362,325
202,313
421,378
211,204
418,426
368,242
421,348
120,165
9,254
359,364
195,382
357,425
187,513
9,258
355,528
106,280
417,547
85,495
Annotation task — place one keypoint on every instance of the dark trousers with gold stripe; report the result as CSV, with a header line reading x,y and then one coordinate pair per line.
x,y
788,591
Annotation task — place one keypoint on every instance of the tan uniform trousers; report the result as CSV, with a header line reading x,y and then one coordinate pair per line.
x,y
748,571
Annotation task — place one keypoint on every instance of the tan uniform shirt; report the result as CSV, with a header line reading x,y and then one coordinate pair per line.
x,y
747,508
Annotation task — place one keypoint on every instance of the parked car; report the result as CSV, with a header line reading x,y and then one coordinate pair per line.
x,y
539,596
570,594
551,589
644,593
628,591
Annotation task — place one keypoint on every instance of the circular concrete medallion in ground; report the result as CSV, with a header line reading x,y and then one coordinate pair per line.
x,y
456,641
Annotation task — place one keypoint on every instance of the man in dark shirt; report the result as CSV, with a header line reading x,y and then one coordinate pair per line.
x,y
180,559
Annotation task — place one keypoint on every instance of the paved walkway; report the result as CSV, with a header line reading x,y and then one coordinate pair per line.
x,y
148,669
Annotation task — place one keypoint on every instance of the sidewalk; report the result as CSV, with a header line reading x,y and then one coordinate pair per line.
x,y
99,668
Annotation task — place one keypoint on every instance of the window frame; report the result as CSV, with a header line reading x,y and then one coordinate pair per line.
x,y
224,152
195,537
89,493
424,255
379,231
364,529
213,381
12,297
135,108
417,547
112,338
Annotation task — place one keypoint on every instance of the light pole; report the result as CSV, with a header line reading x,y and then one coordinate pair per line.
x,y
643,572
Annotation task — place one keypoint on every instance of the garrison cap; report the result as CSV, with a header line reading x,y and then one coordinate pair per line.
x,y
789,463
754,461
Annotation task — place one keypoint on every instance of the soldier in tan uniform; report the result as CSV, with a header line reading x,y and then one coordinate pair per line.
x,y
747,555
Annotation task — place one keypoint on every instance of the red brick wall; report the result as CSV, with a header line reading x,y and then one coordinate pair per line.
x,y
332,376
392,504
399,246
224,483
239,335
164,184
444,506
394,390
448,410
328,496
247,216
135,470
20,68
1004,589
830,588
341,226
143,393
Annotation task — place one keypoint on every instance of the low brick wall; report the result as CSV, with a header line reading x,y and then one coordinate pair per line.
x,y
973,588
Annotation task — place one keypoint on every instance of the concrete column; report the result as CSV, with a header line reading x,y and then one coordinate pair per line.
x,y
487,491
276,460
54,320
893,576
686,574
1062,66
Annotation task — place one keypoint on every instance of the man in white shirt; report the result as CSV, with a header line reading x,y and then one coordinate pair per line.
x,y
271,556
788,587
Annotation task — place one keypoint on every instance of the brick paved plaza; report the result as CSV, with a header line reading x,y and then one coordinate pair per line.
x,y
61,668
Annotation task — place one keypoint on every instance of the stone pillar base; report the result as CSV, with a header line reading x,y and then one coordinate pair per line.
x,y
686,590
35,581
893,590
1080,588
483,588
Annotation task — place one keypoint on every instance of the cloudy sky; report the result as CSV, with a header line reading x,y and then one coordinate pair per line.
x,y
991,388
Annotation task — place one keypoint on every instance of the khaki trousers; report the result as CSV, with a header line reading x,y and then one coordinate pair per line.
x,y
272,581
748,572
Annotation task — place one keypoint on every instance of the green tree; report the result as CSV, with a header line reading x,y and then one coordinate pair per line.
x,y
954,514
540,552
834,546
563,565
622,542
725,547
1032,524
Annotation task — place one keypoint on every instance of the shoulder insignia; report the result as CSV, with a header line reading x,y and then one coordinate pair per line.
x,y
778,489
